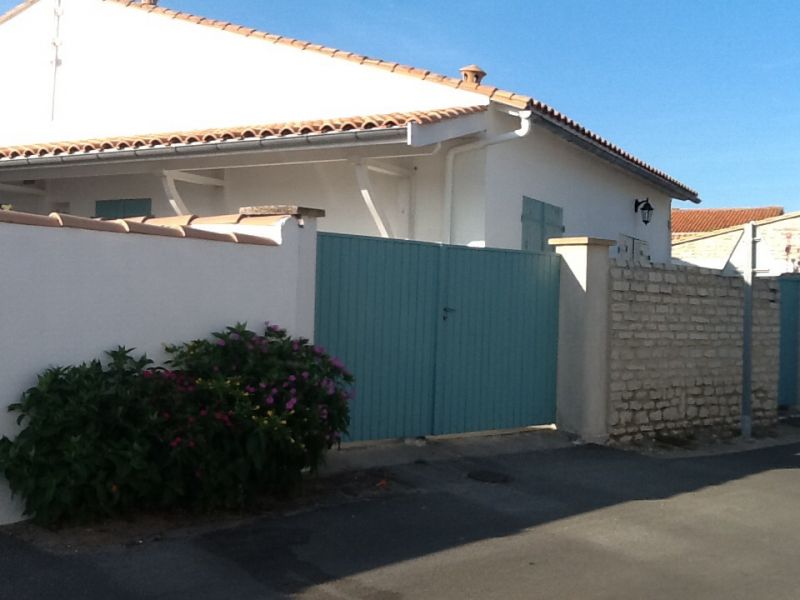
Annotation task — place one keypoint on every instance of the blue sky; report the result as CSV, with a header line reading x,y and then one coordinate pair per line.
x,y
707,90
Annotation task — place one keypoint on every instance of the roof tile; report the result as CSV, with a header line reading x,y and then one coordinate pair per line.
x,y
700,220
389,121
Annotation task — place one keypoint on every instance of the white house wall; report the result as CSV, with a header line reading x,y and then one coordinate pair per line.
x,y
332,187
173,75
23,202
79,195
597,197
469,198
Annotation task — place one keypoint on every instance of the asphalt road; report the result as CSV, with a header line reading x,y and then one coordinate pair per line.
x,y
575,523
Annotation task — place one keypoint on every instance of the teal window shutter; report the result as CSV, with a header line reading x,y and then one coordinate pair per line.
x,y
540,222
123,209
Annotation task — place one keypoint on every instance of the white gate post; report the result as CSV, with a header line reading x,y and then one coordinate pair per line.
x,y
583,360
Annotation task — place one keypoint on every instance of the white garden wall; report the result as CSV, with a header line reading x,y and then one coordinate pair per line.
x,y
68,295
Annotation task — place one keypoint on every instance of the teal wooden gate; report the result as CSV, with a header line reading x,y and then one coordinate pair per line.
x,y
441,339
789,382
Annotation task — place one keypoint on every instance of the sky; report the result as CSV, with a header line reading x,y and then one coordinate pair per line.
x,y
706,90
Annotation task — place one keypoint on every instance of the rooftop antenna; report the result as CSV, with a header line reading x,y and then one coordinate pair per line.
x,y
58,12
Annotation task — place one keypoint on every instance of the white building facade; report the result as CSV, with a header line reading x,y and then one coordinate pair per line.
x,y
206,117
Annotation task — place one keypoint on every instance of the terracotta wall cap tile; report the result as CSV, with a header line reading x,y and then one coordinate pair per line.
x,y
218,220
133,227
22,218
200,234
243,238
84,223
166,221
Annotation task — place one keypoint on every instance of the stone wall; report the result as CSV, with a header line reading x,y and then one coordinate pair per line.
x,y
675,358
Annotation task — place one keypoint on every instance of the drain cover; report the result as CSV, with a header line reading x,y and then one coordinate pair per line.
x,y
489,476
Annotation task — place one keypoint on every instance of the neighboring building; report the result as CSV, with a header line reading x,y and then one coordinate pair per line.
x,y
691,222
137,109
777,249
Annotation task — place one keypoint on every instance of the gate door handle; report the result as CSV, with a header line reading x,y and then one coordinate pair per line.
x,y
446,312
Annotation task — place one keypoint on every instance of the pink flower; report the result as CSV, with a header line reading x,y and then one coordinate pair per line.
x,y
291,404
220,343
270,400
176,442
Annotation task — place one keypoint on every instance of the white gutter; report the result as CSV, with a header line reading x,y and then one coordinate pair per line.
x,y
340,139
524,130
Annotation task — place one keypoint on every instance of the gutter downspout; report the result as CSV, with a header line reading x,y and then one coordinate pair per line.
x,y
447,210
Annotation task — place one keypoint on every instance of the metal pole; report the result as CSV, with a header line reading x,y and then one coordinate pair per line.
x,y
747,331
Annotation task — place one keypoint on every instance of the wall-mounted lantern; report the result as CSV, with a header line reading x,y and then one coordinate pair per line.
x,y
645,208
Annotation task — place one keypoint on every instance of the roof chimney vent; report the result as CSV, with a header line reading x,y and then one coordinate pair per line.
x,y
149,2
472,74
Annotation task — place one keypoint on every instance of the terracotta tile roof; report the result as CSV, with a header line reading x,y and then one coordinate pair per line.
x,y
251,132
700,220
508,98
149,227
23,6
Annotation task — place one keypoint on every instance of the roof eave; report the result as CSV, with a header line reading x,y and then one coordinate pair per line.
x,y
675,190
394,135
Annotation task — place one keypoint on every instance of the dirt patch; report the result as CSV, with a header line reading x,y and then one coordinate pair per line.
x,y
156,527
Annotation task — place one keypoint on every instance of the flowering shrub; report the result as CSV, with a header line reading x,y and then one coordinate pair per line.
x,y
226,420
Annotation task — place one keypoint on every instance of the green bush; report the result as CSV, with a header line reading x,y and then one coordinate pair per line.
x,y
227,420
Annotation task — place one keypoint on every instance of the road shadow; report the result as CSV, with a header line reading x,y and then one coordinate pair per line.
x,y
438,507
